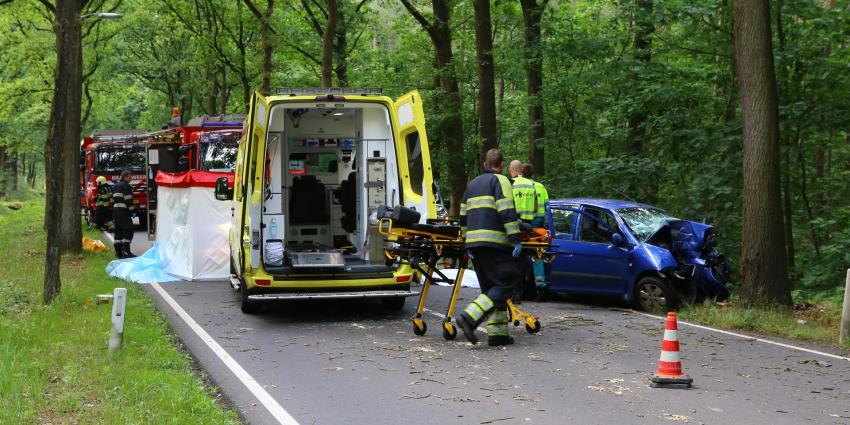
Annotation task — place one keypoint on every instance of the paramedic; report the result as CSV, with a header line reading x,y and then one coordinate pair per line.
x,y
541,200
524,200
489,225
101,204
122,207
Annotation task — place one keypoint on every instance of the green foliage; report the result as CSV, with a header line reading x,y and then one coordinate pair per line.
x,y
194,53
54,364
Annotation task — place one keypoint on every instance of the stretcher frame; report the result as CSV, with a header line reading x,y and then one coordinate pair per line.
x,y
420,247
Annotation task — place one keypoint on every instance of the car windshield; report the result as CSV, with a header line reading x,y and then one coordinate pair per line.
x,y
644,221
117,158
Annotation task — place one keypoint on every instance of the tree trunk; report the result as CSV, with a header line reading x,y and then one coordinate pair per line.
x,y
532,12
341,52
31,174
70,240
644,28
328,43
66,94
3,171
486,76
13,172
763,262
265,29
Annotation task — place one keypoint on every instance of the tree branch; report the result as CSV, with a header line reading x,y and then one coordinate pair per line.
x,y
427,26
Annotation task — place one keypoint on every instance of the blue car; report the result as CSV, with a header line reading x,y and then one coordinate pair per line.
x,y
634,251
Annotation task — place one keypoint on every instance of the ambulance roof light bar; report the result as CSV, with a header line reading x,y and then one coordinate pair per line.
x,y
328,91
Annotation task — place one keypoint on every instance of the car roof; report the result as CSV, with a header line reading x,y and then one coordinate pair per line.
x,y
602,203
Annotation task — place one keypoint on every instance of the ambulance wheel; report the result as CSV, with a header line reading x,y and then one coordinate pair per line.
x,y
533,328
248,306
419,327
449,331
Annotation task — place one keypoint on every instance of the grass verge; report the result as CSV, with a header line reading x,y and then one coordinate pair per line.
x,y
54,366
818,322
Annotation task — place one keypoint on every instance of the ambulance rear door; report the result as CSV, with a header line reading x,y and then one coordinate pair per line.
x,y
413,157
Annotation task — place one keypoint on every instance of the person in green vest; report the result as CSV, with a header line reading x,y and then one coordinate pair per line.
x,y
541,202
524,192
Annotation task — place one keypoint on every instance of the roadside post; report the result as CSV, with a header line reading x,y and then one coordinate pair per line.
x,y
845,312
116,333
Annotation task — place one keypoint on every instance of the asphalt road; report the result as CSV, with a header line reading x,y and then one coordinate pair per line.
x,y
354,363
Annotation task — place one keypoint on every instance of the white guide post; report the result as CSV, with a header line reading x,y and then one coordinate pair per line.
x,y
116,333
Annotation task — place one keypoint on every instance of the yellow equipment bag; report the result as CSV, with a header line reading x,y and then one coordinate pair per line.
x,y
90,244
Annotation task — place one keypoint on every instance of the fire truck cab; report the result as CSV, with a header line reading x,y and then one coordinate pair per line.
x,y
108,153
313,166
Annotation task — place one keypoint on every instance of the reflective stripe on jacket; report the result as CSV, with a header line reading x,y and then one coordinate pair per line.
x,y
524,198
103,196
487,213
542,199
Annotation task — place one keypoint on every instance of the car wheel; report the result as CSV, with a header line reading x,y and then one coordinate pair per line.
x,y
654,294
248,306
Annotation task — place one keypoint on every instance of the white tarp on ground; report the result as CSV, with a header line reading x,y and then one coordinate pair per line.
x,y
470,279
191,232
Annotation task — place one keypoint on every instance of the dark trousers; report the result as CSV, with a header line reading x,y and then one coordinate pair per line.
x,y
101,217
124,235
497,273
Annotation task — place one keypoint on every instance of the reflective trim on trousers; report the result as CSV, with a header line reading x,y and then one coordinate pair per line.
x,y
497,324
479,308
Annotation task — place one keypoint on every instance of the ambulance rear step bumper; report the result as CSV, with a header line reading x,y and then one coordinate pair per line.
x,y
331,295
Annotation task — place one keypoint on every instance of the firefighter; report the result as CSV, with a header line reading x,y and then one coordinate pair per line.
x,y
122,208
101,204
489,224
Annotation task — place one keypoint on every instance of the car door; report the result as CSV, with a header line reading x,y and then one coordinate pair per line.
x,y
562,220
591,263
413,157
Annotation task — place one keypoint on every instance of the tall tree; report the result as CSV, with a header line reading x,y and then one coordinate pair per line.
x,y
265,39
763,262
486,76
63,128
532,13
644,24
451,124
328,37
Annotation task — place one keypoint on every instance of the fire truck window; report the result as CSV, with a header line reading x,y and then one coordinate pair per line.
x,y
114,159
220,156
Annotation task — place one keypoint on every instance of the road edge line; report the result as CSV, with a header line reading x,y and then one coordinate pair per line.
x,y
752,338
275,409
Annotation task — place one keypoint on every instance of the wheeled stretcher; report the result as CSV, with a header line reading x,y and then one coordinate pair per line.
x,y
422,246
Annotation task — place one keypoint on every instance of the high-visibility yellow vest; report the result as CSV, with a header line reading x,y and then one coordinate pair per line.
x,y
524,198
541,199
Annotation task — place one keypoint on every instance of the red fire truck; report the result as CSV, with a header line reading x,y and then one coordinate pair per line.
x,y
107,154
192,155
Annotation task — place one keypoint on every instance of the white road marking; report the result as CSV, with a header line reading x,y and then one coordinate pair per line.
x,y
281,415
751,338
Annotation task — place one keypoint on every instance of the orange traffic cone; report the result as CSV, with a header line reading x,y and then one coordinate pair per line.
x,y
669,373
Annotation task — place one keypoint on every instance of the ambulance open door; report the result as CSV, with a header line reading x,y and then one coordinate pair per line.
x,y
414,159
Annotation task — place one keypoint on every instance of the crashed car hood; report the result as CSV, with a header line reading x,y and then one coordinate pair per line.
x,y
686,236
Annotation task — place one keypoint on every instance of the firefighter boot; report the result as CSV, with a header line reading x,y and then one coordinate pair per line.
x,y
119,250
497,329
473,315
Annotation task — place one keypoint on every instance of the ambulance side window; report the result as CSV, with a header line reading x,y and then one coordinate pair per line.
x,y
414,162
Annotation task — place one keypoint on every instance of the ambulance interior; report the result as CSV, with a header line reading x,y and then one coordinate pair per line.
x,y
328,169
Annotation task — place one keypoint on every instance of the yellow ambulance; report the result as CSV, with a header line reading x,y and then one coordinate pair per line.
x,y
313,166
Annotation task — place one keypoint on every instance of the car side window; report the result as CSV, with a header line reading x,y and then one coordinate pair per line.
x,y
597,230
563,221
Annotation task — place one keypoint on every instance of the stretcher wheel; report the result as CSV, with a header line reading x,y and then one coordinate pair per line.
x,y
516,322
419,327
533,328
449,331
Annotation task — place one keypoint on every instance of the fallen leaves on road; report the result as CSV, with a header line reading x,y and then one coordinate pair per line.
x,y
677,418
491,421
